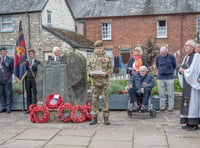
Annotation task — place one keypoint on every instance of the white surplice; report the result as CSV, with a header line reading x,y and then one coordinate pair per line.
x,y
191,75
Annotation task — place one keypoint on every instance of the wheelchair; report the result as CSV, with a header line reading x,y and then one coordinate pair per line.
x,y
147,108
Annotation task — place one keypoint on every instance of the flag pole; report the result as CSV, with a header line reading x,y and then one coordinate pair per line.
x,y
23,95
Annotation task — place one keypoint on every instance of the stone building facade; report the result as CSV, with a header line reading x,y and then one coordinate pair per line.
x,y
36,37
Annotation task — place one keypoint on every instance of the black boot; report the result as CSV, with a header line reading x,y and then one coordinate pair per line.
x,y
106,121
94,121
186,126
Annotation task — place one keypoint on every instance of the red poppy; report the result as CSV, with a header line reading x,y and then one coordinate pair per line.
x,y
18,90
155,92
121,92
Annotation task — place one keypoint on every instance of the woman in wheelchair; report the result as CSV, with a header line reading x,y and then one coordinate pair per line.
x,y
140,84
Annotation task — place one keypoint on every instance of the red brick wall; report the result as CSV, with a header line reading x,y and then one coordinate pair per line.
x,y
133,31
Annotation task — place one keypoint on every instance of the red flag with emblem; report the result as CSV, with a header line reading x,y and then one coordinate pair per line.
x,y
20,56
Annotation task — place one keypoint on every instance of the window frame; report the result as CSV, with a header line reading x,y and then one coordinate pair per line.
x,y
161,35
2,23
106,34
49,17
198,24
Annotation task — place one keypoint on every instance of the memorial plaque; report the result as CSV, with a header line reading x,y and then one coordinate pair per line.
x,y
54,79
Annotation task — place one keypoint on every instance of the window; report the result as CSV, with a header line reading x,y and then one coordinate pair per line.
x,y
49,17
10,50
6,23
161,29
106,31
198,24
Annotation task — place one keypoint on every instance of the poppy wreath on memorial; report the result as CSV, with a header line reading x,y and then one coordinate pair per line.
x,y
39,109
61,109
31,107
88,111
53,101
32,116
78,114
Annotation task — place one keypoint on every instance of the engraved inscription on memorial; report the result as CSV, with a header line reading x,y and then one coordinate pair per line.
x,y
54,79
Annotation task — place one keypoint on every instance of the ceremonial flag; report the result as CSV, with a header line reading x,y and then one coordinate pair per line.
x,y
20,56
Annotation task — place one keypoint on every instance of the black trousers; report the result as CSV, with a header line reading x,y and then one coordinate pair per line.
x,y
6,96
30,91
133,94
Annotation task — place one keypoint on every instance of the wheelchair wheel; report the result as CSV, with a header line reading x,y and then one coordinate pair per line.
x,y
130,114
153,114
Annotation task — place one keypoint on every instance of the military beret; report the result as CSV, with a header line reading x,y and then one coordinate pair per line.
x,y
98,43
3,48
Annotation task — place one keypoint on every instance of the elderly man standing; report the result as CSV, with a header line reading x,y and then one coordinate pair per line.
x,y
99,68
166,65
56,57
142,83
189,80
6,70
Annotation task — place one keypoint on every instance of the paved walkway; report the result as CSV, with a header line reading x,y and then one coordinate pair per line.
x,y
141,131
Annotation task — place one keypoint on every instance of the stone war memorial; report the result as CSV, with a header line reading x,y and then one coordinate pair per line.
x,y
66,77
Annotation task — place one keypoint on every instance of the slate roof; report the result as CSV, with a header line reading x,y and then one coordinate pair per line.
x,y
74,39
21,6
109,8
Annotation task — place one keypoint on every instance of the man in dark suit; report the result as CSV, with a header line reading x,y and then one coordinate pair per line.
x,y
56,57
6,70
30,79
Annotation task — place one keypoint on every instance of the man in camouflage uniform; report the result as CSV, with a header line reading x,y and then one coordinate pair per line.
x,y
99,68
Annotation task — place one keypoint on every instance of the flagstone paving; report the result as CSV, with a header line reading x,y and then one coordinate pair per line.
x,y
140,131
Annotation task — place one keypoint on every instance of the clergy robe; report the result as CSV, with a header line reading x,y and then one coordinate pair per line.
x,y
190,104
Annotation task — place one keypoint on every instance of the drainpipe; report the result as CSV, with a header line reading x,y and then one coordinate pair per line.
x,y
29,30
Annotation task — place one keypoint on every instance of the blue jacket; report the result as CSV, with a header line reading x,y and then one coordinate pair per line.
x,y
138,82
166,66
6,70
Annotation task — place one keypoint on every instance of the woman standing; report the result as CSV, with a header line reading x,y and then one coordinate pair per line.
x,y
136,61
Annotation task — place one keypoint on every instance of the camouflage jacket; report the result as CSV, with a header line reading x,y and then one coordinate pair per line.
x,y
100,62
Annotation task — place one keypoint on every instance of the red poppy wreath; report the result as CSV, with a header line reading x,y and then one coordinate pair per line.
x,y
87,109
78,114
53,101
64,112
31,107
34,115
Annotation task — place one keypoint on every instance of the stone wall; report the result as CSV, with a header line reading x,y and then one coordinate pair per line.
x,y
61,17
36,37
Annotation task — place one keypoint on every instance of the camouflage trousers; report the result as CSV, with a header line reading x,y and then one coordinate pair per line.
x,y
96,91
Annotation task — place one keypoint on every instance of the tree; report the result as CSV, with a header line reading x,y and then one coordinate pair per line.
x,y
150,50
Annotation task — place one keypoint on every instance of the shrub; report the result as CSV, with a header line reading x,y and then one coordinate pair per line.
x,y
177,87
117,87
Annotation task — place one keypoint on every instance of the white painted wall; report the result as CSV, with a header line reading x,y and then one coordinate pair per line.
x,y
60,17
